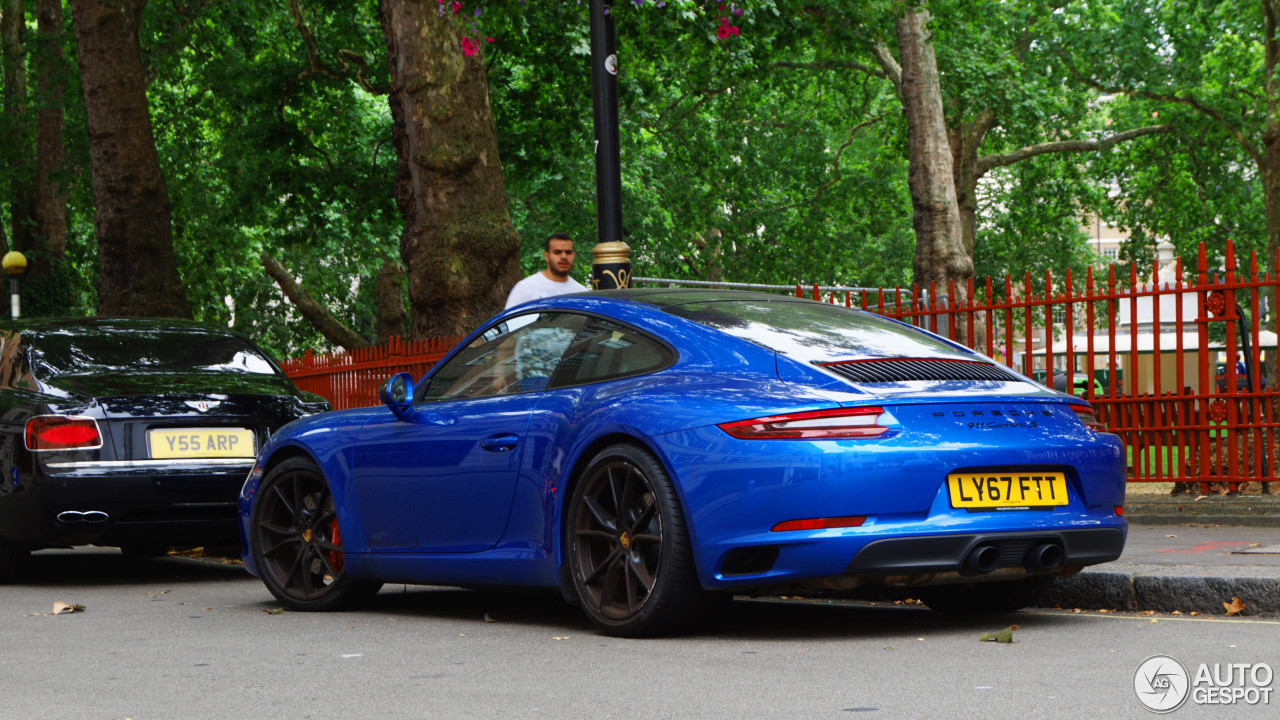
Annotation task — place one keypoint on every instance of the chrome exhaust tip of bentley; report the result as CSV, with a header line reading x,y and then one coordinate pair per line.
x,y
72,517
1045,556
982,560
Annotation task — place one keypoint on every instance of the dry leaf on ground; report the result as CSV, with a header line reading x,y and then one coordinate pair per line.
x,y
1234,607
61,608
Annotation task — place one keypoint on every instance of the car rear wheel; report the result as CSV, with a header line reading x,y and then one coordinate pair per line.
x,y
296,543
629,556
1003,596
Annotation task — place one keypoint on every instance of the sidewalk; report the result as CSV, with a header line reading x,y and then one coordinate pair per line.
x,y
1186,555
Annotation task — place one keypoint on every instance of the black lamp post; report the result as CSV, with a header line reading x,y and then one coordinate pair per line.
x,y
611,265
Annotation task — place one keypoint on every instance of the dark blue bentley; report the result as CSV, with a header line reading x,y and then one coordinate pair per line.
x,y
650,451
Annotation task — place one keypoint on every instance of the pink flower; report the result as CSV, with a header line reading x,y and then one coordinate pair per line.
x,y
468,48
456,7
488,39
722,32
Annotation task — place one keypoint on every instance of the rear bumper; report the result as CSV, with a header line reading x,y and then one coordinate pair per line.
x,y
115,503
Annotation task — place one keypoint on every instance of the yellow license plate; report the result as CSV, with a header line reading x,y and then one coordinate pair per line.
x,y
201,443
1018,489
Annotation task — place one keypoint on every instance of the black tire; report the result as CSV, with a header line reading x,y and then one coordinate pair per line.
x,y
628,549
295,542
15,563
1004,596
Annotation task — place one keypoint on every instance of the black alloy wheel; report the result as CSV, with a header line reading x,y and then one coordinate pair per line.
x,y
297,544
628,549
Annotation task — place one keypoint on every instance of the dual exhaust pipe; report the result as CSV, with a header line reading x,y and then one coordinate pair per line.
x,y
986,558
73,517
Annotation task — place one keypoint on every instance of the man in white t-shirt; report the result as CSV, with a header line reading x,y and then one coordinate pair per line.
x,y
555,279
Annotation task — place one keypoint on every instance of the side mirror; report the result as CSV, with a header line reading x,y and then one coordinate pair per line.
x,y
397,394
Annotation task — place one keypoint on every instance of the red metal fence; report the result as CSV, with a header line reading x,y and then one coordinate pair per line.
x,y
1146,354
352,378
1158,360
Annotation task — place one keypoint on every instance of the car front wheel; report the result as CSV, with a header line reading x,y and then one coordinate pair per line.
x,y
296,542
629,555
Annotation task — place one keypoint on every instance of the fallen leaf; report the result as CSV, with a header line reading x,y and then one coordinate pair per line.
x,y
1176,612
488,619
919,639
274,611
1171,536
1234,607
1003,636
61,608
1255,544
1148,612
1153,621
560,637
1194,613
1231,646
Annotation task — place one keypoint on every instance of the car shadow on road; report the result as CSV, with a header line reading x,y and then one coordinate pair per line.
x,y
108,566
743,619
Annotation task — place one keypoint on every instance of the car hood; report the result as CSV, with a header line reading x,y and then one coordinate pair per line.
x,y
131,384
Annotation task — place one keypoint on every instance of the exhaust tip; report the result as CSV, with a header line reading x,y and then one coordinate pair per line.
x,y
74,517
1045,556
982,560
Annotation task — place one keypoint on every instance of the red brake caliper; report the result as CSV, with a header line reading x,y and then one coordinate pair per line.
x,y
335,537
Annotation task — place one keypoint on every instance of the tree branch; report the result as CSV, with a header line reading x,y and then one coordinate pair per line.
x,y
315,313
892,69
1064,146
1234,130
316,66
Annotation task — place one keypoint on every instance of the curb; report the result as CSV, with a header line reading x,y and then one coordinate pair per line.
x,y
1246,510
1160,588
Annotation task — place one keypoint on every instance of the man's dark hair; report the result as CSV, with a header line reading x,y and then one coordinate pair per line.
x,y
546,247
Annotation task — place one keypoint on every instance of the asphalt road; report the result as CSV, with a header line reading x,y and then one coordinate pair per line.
x,y
178,638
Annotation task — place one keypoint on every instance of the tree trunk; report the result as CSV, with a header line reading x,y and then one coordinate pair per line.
x,y
138,273
17,126
965,140
391,315
940,253
458,244
51,199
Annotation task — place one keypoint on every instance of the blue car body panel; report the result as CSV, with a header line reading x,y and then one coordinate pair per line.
x,y
473,491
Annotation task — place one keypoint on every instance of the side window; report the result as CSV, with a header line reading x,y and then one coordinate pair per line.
x,y
606,350
516,356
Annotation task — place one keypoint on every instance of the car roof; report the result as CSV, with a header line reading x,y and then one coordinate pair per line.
x,y
36,324
668,297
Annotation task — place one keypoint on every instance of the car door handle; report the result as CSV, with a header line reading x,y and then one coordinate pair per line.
x,y
500,443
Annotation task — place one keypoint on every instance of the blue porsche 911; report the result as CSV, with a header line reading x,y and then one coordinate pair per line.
x,y
649,451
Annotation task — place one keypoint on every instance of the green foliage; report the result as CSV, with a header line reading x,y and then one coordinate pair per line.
x,y
774,156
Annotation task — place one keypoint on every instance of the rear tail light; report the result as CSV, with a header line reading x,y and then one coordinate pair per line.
x,y
812,425
62,432
1089,417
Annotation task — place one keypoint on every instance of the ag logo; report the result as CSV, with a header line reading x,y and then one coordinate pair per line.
x,y
1161,684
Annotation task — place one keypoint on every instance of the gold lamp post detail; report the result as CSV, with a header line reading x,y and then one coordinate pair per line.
x,y
15,265
610,266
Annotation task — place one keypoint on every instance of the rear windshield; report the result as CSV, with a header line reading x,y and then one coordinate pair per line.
x,y
816,332
101,350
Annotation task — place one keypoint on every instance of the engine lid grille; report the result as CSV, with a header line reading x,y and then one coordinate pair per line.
x,y
928,369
